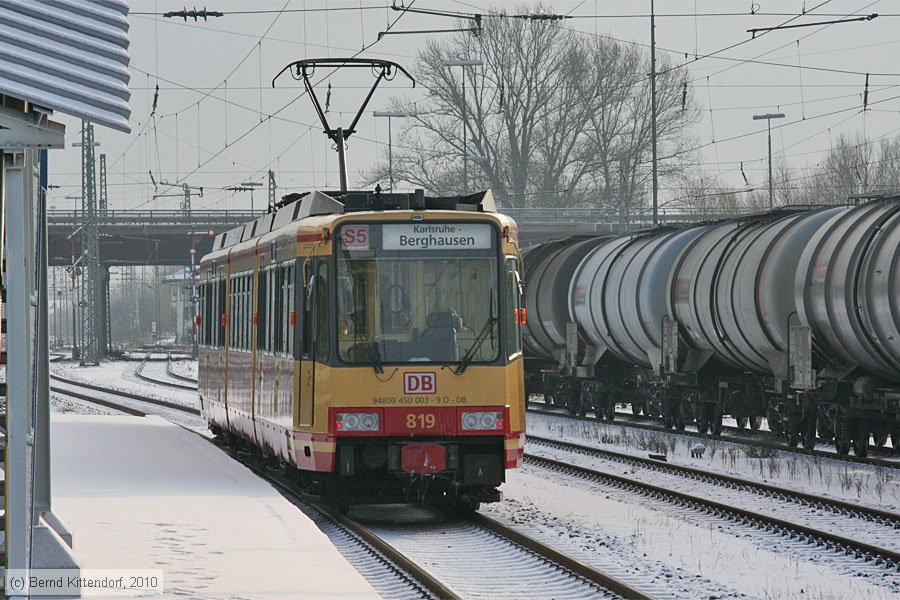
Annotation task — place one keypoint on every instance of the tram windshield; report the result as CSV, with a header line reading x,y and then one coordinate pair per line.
x,y
417,292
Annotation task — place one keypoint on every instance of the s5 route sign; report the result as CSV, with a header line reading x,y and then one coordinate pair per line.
x,y
355,237
420,383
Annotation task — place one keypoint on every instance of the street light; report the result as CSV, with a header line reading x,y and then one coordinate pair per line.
x,y
768,118
462,62
391,114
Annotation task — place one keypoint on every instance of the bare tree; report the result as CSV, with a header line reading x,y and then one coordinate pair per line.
x,y
551,118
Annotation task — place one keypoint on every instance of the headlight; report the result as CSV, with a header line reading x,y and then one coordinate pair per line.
x,y
482,421
368,422
356,421
470,420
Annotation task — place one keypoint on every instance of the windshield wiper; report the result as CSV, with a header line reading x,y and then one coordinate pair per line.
x,y
371,348
476,345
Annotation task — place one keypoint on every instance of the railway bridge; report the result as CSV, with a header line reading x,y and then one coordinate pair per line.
x,y
141,237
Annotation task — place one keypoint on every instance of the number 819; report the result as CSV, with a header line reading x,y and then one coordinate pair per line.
x,y
424,421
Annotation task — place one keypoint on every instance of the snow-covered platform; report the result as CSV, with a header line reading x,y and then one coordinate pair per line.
x,y
142,493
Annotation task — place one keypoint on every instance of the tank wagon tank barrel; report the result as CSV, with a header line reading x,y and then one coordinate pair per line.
x,y
792,315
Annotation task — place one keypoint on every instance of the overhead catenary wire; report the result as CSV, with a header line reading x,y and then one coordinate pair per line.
x,y
279,110
716,108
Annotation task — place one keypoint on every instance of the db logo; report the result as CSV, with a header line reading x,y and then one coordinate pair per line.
x,y
419,383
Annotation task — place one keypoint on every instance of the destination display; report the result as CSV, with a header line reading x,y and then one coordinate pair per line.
x,y
437,236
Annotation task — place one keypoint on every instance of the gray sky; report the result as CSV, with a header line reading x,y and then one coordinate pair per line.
x,y
192,60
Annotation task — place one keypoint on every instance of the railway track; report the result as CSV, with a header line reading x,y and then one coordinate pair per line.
x,y
395,569
182,385
64,386
178,376
880,525
755,440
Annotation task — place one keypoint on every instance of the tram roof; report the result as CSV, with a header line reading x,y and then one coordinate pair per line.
x,y
307,204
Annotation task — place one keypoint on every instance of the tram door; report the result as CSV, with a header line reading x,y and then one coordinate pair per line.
x,y
314,324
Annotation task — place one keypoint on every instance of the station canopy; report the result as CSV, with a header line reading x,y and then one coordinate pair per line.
x,y
67,55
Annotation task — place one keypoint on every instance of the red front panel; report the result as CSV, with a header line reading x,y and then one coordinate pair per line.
x,y
438,420
423,459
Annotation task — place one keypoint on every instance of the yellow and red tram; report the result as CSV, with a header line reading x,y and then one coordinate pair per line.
x,y
372,341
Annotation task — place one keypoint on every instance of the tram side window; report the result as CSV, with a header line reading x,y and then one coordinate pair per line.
x,y
513,309
221,331
271,285
278,311
245,312
214,314
242,303
261,312
201,312
306,321
230,311
246,316
287,325
322,320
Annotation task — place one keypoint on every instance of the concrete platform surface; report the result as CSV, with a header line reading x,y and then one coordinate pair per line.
x,y
142,493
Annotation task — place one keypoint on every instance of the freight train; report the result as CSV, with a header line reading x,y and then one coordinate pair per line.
x,y
372,343
792,316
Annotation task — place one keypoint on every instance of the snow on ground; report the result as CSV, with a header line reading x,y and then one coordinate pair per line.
x,y
856,482
687,556
62,404
185,368
120,375
141,493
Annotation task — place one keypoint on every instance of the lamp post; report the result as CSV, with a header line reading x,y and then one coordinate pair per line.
x,y
768,118
391,115
462,62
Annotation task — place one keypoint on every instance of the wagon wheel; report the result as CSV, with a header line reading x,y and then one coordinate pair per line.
x,y
861,445
842,447
716,425
808,435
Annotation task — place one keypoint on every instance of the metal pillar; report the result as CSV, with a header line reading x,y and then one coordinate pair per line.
x,y
91,286
272,188
342,156
18,187
104,195
653,111
105,337
768,118
73,300
41,484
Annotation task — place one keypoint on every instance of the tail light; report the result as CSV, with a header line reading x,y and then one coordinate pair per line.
x,y
357,421
482,421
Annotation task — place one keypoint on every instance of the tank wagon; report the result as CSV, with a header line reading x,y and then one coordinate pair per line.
x,y
370,342
792,316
